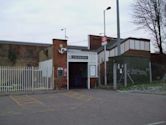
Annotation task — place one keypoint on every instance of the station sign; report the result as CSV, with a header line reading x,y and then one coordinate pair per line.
x,y
104,40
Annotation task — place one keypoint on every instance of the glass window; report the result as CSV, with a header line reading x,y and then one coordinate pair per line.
x,y
142,45
60,72
112,53
127,45
122,48
115,51
147,46
137,45
132,44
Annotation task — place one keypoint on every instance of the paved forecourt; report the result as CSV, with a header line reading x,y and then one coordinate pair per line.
x,y
83,107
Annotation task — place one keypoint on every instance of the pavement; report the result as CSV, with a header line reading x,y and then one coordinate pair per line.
x,y
83,107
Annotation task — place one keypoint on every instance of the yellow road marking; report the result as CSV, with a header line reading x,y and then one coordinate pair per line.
x,y
34,99
9,113
78,96
17,102
25,100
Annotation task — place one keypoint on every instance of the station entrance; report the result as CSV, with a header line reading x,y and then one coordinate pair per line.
x,y
78,75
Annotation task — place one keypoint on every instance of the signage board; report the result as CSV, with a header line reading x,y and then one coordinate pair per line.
x,y
104,40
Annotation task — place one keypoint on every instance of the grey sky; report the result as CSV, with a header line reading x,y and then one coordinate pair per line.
x,y
41,20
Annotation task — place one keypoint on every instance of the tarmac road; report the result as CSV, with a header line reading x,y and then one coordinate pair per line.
x,y
83,107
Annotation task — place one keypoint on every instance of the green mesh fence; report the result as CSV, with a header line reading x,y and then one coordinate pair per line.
x,y
137,69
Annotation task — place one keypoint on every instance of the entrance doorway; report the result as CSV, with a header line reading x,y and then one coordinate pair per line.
x,y
78,75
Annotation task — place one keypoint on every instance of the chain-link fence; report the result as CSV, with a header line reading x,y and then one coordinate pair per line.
x,y
129,70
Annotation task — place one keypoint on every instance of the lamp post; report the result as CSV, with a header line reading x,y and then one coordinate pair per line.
x,y
64,29
118,27
105,46
108,8
118,46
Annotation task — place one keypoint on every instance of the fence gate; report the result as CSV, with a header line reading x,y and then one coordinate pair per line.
x,y
15,79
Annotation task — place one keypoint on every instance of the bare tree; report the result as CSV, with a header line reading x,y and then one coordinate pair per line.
x,y
150,15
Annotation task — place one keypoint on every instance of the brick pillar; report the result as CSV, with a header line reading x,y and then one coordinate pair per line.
x,y
60,62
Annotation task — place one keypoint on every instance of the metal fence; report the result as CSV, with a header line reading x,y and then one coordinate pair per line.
x,y
22,79
125,70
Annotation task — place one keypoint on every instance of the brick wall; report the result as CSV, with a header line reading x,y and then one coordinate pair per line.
x,y
93,82
137,53
59,60
95,41
24,55
158,62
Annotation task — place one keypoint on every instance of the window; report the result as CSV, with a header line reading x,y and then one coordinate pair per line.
x,y
112,53
115,51
60,72
127,43
137,44
142,45
122,48
132,44
147,46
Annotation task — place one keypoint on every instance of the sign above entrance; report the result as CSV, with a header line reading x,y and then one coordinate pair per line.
x,y
104,40
79,57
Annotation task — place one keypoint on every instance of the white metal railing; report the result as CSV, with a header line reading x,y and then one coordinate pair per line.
x,y
14,79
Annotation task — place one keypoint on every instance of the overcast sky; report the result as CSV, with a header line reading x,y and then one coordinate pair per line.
x,y
41,20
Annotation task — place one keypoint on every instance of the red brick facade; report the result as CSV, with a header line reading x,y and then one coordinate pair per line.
x,y
25,55
59,60
93,82
95,41
138,53
158,62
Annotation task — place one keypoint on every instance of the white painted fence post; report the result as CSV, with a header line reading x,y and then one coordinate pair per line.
x,y
32,69
5,79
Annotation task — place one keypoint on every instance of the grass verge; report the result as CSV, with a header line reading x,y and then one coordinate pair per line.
x,y
155,86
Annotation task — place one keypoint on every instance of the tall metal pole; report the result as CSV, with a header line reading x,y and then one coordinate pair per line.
x,y
64,29
118,46
105,64
104,23
118,27
65,34
105,46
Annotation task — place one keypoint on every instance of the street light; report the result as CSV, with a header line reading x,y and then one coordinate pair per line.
x,y
118,45
108,8
64,29
118,27
105,46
